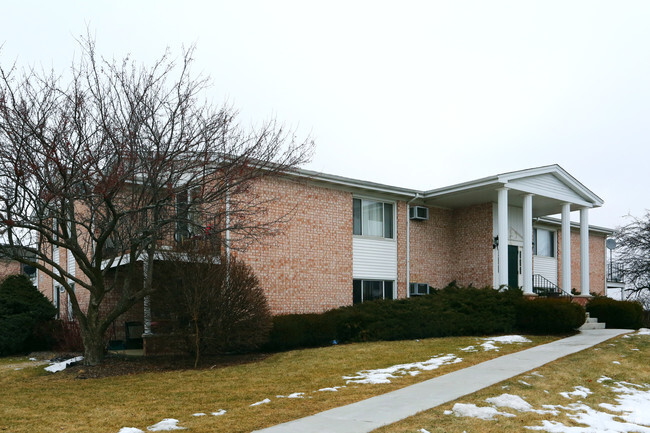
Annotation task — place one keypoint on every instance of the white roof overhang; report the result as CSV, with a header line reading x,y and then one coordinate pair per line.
x,y
551,187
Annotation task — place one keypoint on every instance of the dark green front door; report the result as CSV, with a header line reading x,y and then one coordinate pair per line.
x,y
513,266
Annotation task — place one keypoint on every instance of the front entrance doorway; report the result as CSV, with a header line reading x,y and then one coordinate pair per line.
x,y
513,266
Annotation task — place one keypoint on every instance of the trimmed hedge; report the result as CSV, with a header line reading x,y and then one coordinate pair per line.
x,y
549,316
452,311
23,310
616,314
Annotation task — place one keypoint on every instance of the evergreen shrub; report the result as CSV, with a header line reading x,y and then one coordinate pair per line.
x,y
549,316
23,310
616,314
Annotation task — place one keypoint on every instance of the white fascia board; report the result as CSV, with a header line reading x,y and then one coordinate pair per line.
x,y
575,225
125,259
545,193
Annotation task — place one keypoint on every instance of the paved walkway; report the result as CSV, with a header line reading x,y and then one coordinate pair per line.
x,y
367,415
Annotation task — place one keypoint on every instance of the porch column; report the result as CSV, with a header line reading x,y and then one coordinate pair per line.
x,y
528,244
502,232
584,251
566,247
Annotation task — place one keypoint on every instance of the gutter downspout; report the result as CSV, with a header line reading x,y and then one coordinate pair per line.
x,y
408,244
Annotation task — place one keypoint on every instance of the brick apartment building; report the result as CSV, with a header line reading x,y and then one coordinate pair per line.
x,y
350,241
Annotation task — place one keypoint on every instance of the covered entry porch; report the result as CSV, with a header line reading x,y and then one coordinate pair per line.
x,y
529,249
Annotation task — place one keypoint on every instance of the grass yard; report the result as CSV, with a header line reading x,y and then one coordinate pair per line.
x,y
33,400
621,359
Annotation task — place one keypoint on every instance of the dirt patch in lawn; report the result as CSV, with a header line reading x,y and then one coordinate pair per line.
x,y
117,365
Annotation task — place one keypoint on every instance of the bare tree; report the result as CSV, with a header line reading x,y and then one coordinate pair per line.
x,y
633,250
115,163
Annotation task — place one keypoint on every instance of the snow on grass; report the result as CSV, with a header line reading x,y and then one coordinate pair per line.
x,y
384,375
643,331
293,395
423,431
166,425
469,349
130,430
198,414
473,411
578,391
524,383
265,401
511,401
490,343
330,389
219,412
633,402
616,362
60,366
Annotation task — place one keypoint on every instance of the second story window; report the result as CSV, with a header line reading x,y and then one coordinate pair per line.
x,y
186,214
372,218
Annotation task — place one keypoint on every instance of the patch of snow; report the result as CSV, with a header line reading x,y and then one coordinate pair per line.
x,y
383,375
60,366
473,411
294,395
578,391
525,383
469,349
635,349
166,425
603,379
219,412
331,389
130,430
448,412
511,401
643,331
536,373
633,402
33,359
616,362
265,401
18,368
198,414
424,431
505,339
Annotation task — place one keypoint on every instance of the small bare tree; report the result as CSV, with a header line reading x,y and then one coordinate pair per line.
x,y
215,303
633,250
113,164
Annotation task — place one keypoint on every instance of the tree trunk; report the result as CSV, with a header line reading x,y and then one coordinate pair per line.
x,y
94,346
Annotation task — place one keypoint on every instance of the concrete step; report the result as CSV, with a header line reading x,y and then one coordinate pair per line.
x,y
592,323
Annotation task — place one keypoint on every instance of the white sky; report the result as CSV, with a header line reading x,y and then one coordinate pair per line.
x,y
413,94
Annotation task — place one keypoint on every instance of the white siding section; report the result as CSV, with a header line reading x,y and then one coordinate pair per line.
x,y
547,185
55,258
546,267
374,259
70,266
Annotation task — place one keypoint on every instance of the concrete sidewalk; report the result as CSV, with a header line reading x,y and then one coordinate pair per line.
x,y
367,415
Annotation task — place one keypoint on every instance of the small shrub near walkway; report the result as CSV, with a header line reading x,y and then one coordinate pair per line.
x,y
617,314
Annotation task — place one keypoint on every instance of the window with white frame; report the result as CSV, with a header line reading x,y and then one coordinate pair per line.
x,y
186,213
369,290
372,218
544,242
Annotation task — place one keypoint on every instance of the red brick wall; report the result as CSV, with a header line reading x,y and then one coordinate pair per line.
x,y
307,266
402,224
8,267
472,249
432,241
453,245
596,261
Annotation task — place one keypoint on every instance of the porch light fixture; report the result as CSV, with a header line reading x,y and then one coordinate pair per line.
x,y
495,242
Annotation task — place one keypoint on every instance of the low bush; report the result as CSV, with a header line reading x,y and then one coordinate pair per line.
x,y
23,309
616,314
548,316
448,312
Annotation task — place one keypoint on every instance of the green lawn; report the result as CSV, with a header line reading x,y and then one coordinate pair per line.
x,y
33,400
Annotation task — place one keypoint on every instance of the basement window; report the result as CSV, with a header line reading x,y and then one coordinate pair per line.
x,y
369,290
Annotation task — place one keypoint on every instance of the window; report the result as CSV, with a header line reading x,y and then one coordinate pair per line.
x,y
543,243
186,213
419,289
368,290
372,218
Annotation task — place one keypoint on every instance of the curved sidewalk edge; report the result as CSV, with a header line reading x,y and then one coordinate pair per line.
x,y
372,413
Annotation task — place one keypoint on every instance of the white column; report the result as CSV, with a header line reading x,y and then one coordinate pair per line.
x,y
566,247
528,244
502,232
584,251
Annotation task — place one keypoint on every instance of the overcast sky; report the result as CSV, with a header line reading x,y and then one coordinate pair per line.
x,y
412,94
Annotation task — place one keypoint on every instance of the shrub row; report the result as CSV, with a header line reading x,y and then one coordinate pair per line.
x,y
452,311
617,314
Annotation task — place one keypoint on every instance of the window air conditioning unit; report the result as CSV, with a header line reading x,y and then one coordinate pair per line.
x,y
419,213
418,289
